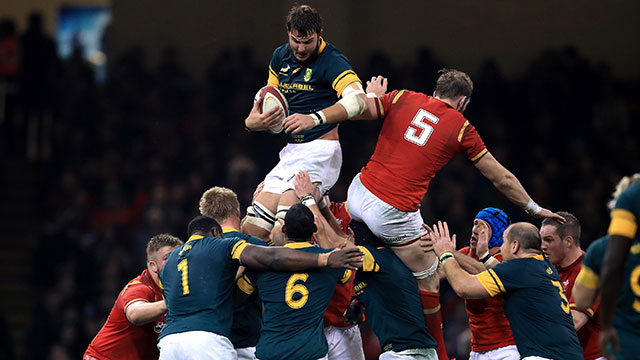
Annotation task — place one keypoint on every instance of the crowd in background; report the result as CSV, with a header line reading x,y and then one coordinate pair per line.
x,y
127,159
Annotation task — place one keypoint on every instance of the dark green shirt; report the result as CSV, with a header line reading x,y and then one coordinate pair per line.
x,y
392,302
536,306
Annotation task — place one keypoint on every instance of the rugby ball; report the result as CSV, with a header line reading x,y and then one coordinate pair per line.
x,y
271,97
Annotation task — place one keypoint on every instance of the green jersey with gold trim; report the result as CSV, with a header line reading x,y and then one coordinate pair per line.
x,y
536,306
627,315
247,315
197,281
312,85
294,306
392,302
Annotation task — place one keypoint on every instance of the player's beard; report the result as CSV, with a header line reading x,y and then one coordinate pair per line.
x,y
313,55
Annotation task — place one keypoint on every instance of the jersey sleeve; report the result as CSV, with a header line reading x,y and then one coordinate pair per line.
x,y
369,263
471,142
589,275
247,283
501,279
623,220
136,291
386,101
237,247
340,73
274,67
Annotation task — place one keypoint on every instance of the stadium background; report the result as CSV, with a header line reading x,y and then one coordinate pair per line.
x,y
92,168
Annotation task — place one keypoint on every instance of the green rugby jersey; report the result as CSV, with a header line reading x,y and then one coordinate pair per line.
x,y
294,306
392,302
536,306
311,86
627,315
197,281
247,315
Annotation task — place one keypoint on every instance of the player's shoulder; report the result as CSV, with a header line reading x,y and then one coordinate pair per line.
x,y
248,238
630,198
281,52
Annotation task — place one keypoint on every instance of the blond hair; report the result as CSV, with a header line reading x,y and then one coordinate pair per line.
x,y
158,242
624,183
219,203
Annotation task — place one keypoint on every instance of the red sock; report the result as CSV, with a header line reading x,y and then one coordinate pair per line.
x,y
433,320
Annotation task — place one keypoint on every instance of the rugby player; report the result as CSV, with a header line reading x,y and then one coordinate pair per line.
x,y
534,300
321,88
561,245
137,317
198,280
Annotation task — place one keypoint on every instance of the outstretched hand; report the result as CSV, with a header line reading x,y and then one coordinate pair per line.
x,y
377,85
349,258
441,241
482,247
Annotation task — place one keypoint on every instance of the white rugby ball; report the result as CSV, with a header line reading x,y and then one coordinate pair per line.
x,y
272,97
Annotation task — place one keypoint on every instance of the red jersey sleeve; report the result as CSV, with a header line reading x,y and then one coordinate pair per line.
x,y
471,143
136,291
387,100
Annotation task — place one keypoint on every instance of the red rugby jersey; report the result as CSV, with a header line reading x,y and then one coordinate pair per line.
x,y
589,332
343,293
120,339
420,134
489,326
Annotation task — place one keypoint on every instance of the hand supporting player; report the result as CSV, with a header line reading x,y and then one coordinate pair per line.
x,y
546,213
441,241
341,258
257,121
377,85
608,336
303,185
296,123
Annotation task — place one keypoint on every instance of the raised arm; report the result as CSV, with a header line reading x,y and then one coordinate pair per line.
x,y
143,312
464,284
283,259
510,187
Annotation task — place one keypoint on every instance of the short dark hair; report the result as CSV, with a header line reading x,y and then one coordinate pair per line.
x,y
204,225
299,223
362,235
158,242
453,83
304,19
527,235
571,226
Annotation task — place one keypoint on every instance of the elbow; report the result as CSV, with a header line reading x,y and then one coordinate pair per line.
x,y
133,318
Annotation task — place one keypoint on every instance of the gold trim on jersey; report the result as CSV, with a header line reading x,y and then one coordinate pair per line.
x,y
480,154
245,285
273,78
464,127
323,44
397,97
194,237
431,311
635,249
132,301
588,278
623,223
490,282
238,248
380,108
298,245
346,277
343,80
369,262
229,229
537,257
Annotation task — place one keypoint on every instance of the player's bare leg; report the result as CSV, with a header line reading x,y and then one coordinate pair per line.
x,y
261,215
421,265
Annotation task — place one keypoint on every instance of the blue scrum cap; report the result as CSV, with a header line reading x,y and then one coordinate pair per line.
x,y
498,220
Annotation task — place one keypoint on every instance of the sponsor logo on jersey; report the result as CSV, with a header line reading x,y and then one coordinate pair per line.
x,y
158,327
285,69
307,74
565,283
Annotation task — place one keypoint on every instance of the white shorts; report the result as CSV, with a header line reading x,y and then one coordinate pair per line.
x,y
196,345
535,358
322,358
248,353
509,352
410,354
344,343
321,158
391,225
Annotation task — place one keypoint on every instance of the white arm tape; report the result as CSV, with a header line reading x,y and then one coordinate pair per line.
x,y
351,101
532,208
